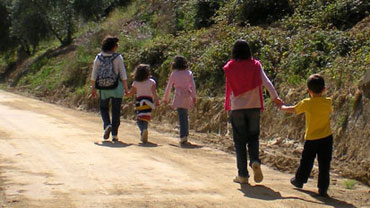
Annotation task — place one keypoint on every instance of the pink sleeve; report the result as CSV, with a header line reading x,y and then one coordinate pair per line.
x,y
168,89
193,86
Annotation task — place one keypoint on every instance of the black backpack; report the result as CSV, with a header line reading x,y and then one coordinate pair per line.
x,y
106,77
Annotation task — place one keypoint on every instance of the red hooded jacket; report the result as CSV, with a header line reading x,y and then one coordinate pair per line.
x,y
242,76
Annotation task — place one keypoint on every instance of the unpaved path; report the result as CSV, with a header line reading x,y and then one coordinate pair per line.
x,y
54,157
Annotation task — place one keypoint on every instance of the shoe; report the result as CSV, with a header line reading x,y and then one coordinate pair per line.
x,y
241,180
296,183
323,193
144,136
257,172
115,138
183,140
107,131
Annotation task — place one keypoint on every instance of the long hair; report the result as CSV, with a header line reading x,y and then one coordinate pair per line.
x,y
142,72
179,63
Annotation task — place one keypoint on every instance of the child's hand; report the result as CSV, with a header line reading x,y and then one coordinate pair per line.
x,y
278,102
93,93
157,102
289,109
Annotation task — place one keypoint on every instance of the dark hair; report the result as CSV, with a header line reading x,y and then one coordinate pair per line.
x,y
241,50
142,72
316,83
179,63
109,43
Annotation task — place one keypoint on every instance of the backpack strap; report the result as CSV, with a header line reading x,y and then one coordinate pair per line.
x,y
114,56
100,57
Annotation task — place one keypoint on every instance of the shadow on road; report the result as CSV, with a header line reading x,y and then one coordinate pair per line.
x,y
187,145
327,200
118,144
148,144
265,193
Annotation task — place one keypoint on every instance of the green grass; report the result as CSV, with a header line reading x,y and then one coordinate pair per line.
x,y
349,183
45,76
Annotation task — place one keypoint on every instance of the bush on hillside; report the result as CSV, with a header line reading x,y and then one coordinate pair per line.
x,y
344,14
257,12
205,10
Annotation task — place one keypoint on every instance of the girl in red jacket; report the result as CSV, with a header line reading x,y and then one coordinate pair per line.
x,y
244,80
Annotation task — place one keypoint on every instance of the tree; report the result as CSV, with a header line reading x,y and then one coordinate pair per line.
x,y
5,40
28,25
205,10
93,11
60,18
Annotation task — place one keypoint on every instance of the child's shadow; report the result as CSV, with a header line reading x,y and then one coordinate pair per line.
x,y
265,193
148,144
187,145
327,200
117,144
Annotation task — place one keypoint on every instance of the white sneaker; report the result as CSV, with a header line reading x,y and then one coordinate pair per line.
x,y
241,179
144,136
107,131
183,140
115,138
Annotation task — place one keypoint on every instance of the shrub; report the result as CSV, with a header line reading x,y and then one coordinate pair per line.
x,y
205,10
258,12
349,184
344,14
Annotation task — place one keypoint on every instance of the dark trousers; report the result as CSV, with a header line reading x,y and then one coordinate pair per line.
x,y
246,130
323,148
183,122
116,111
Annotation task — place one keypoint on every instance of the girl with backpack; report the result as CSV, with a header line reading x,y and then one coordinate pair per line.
x,y
109,76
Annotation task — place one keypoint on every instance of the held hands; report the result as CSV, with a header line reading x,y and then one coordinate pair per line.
x,y
278,102
93,93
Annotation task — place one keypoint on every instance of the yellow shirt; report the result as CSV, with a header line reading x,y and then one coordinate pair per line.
x,y
317,112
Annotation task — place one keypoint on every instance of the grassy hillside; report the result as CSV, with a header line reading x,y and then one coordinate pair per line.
x,y
293,39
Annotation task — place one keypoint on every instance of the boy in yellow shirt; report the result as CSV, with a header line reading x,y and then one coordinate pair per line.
x,y
318,136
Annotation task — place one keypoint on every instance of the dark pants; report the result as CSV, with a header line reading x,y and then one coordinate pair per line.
x,y
246,130
116,111
142,125
323,148
183,122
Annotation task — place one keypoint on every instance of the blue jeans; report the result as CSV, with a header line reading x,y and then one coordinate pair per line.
x,y
183,122
246,130
142,125
116,112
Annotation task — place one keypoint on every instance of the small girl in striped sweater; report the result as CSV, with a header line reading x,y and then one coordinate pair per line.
x,y
146,98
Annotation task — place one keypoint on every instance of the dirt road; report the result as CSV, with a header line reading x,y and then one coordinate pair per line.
x,y
54,157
